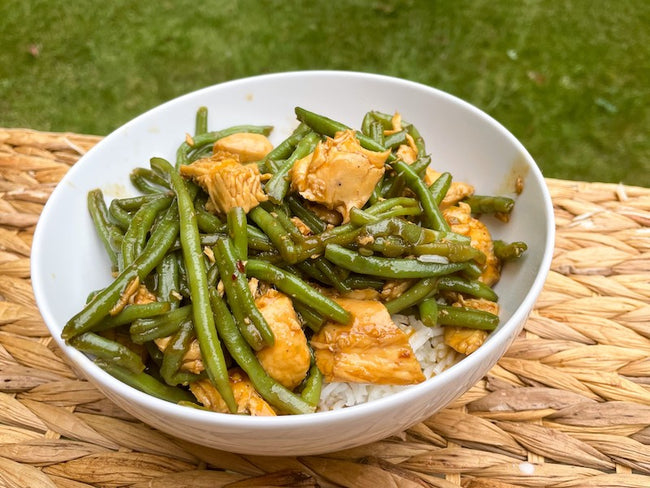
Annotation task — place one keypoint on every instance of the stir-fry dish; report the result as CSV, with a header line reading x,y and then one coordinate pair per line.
x,y
254,279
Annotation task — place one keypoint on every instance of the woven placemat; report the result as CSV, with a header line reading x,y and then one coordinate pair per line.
x,y
568,405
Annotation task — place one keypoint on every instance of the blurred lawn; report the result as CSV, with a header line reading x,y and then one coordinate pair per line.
x,y
569,78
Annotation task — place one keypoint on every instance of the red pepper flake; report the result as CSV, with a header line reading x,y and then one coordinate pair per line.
x,y
240,266
233,277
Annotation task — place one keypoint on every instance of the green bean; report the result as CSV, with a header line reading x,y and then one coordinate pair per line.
x,y
325,267
428,310
395,139
211,352
309,317
366,123
346,234
120,216
360,217
147,384
237,230
247,329
207,221
410,232
131,313
433,215
280,213
175,351
440,187
183,285
108,350
395,246
359,281
135,236
169,280
309,218
285,148
379,208
484,204
472,270
420,165
387,267
106,230
250,320
387,121
274,393
201,121
148,182
313,385
424,288
201,140
160,241
393,186
276,188
377,133
147,329
505,251
297,289
467,317
474,288
389,246
417,138
326,126
155,355
308,269
257,240
132,204
452,250
275,232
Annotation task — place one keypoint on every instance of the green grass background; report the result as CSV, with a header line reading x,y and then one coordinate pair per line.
x,y
569,78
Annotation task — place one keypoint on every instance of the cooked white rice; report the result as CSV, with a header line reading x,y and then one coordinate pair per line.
x,y
432,353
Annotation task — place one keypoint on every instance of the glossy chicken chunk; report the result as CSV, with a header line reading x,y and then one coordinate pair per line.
x,y
249,402
371,349
249,147
228,182
461,221
339,174
288,359
463,339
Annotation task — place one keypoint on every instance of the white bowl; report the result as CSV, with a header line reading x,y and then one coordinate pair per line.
x,y
68,260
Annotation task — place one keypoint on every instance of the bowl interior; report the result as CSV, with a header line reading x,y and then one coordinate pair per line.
x,y
68,261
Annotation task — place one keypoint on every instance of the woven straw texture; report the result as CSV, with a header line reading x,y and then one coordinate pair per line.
x,y
567,406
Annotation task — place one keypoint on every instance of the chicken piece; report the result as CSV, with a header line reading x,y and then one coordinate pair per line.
x,y
457,190
330,217
463,339
287,361
407,153
228,183
340,174
394,288
143,296
249,402
371,349
302,227
248,146
360,294
461,221
192,360
479,304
